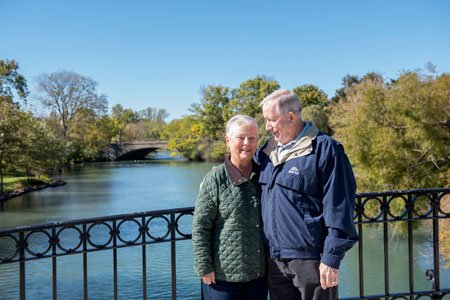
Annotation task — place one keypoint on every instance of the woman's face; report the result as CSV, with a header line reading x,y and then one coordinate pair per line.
x,y
242,143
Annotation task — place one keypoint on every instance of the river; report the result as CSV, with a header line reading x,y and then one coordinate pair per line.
x,y
100,189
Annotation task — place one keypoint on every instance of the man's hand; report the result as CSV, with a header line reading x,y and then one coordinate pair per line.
x,y
208,278
329,276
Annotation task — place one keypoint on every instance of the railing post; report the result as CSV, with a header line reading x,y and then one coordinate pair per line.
x,y
54,265
114,234
437,280
410,208
386,247
359,212
144,260
21,246
85,266
173,256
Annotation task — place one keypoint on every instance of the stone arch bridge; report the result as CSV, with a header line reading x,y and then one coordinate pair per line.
x,y
135,150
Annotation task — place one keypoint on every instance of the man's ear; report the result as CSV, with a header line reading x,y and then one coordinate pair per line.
x,y
292,116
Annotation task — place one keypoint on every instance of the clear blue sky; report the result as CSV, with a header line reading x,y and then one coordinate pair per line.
x,y
159,53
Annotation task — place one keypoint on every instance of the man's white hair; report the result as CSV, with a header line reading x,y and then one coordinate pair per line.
x,y
285,101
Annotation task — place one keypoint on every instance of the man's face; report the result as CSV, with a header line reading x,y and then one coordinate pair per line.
x,y
278,125
243,143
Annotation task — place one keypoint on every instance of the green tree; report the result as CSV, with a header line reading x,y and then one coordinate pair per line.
x,y
11,121
314,102
212,110
247,98
396,134
11,81
250,94
310,94
349,81
153,121
12,84
41,152
184,137
125,118
318,115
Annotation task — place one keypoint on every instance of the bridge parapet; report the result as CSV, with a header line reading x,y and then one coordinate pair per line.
x,y
135,150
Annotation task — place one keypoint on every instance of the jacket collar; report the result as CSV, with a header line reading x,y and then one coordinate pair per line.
x,y
301,148
236,177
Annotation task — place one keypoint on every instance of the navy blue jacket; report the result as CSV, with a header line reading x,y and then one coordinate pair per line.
x,y
308,199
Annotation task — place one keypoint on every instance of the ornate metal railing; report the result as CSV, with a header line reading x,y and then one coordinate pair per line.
x,y
126,230
50,241
403,206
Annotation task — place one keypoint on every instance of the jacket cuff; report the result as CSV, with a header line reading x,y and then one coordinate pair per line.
x,y
203,271
331,261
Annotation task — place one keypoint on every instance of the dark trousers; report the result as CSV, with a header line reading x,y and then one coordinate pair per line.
x,y
295,279
222,290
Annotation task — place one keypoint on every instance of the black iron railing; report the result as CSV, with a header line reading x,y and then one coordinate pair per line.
x,y
403,206
121,230
143,229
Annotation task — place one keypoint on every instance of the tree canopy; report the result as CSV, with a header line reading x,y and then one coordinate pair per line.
x,y
397,134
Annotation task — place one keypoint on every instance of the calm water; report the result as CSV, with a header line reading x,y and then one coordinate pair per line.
x,y
100,189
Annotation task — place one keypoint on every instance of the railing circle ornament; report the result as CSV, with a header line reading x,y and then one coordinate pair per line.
x,y
16,251
441,198
417,198
186,235
91,227
158,238
132,241
28,245
69,250
366,202
390,208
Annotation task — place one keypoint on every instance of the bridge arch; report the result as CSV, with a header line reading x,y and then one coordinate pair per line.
x,y
135,150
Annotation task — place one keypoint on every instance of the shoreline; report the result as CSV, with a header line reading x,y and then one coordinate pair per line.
x,y
15,193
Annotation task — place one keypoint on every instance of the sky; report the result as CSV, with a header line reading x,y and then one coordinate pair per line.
x,y
161,53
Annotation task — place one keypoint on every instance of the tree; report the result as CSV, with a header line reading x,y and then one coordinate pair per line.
x,y
318,115
11,82
314,102
153,121
310,94
212,110
250,93
11,118
67,94
11,121
154,114
349,81
41,151
396,134
184,137
247,98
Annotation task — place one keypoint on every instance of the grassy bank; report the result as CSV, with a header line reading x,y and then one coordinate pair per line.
x,y
13,183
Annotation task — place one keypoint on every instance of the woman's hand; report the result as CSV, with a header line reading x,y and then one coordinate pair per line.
x,y
209,278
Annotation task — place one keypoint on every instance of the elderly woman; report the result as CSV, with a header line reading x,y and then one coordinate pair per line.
x,y
226,234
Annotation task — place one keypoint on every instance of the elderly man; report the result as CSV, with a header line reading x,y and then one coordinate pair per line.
x,y
308,200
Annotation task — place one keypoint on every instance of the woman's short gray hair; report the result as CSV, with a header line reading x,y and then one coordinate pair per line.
x,y
284,100
239,120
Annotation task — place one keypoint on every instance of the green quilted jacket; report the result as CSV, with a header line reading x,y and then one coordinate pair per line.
x,y
227,232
